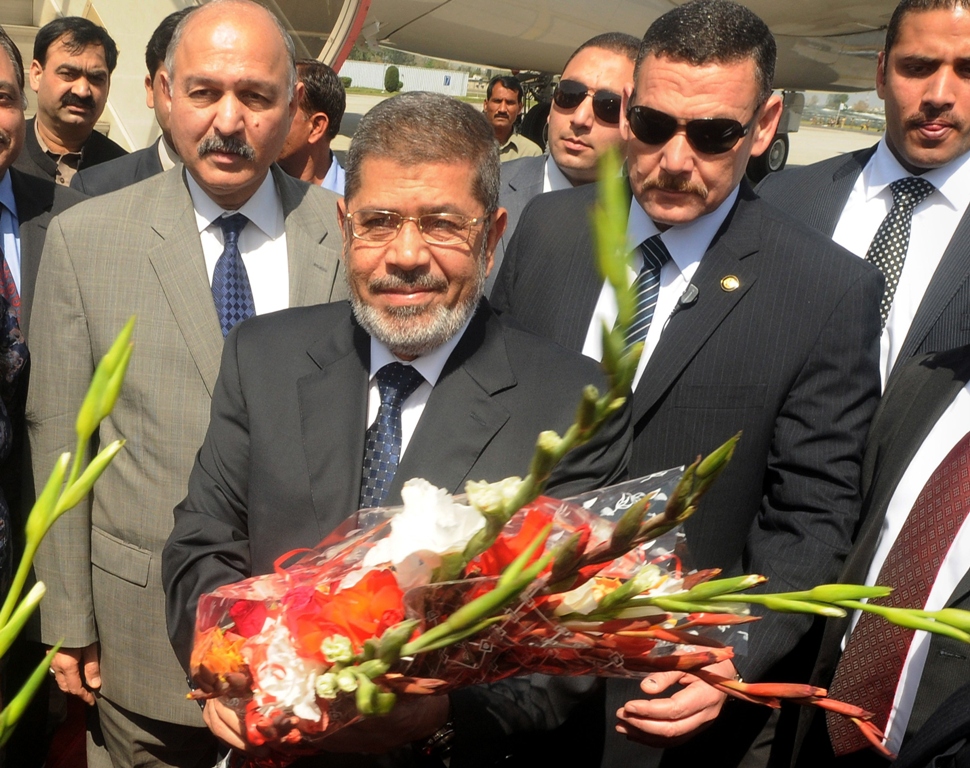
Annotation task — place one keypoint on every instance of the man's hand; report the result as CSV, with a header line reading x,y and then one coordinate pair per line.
x,y
410,720
672,720
226,726
78,671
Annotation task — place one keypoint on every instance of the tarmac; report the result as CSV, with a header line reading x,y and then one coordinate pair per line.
x,y
809,145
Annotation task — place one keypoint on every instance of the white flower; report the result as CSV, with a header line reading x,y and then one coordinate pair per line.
x,y
337,648
430,525
347,680
326,686
492,496
282,677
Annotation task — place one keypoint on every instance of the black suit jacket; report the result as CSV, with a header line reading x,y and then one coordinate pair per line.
x,y
816,195
120,172
910,408
281,463
944,742
35,161
789,358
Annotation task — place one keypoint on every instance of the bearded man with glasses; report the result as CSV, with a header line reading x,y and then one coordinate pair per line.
x,y
584,122
322,411
750,321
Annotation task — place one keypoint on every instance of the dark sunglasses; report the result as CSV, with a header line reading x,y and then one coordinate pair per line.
x,y
710,136
569,94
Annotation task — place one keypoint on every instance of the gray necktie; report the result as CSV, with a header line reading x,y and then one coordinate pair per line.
x,y
888,248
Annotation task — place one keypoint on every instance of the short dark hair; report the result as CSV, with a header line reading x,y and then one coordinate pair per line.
x,y
619,43
917,6
712,32
510,82
78,34
161,37
322,92
8,45
421,127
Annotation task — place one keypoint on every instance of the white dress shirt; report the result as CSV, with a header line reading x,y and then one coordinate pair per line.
x,y
553,179
262,242
949,430
429,366
167,156
334,180
687,244
934,222
10,228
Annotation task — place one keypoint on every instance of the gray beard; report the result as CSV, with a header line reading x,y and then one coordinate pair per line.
x,y
395,328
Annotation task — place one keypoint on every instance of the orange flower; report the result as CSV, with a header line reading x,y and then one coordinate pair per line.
x,y
219,652
500,555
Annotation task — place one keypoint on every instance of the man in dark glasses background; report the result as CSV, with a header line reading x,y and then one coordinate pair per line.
x,y
584,121
750,321
923,75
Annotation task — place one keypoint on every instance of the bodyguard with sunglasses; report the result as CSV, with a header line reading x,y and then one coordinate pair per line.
x,y
584,122
750,321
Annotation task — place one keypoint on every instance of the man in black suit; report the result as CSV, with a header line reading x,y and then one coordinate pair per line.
x,y
752,322
418,244
160,156
584,122
921,77
71,73
924,413
27,204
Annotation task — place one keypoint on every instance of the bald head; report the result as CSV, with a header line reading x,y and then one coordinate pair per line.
x,y
230,81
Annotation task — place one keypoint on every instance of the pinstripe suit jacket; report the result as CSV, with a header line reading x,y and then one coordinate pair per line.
x,y
816,195
789,358
521,181
137,251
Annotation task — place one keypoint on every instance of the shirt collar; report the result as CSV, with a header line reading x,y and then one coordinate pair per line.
x,y
553,179
48,150
429,365
7,199
952,180
334,180
167,156
264,208
687,243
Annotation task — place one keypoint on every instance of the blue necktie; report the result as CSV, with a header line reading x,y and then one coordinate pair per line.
x,y
230,283
382,447
647,288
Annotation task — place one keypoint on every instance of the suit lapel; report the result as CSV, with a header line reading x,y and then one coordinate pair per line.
x,y
179,264
333,437
689,329
828,206
312,275
462,408
34,204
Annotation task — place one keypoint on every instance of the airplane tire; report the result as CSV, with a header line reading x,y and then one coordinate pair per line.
x,y
772,161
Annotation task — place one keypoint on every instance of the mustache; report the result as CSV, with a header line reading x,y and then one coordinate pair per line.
x,y
669,183
414,280
929,115
226,144
71,99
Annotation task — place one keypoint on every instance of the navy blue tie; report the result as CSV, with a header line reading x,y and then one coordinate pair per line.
x,y
647,288
382,447
230,283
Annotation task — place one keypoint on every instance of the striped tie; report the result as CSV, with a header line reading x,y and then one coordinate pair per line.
x,y
647,288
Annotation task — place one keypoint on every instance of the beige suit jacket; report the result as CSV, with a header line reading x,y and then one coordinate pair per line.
x,y
137,251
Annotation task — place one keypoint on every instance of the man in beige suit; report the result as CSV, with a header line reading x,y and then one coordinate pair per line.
x,y
174,251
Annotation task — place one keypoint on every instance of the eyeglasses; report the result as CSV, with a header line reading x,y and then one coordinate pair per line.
x,y
435,228
569,94
710,136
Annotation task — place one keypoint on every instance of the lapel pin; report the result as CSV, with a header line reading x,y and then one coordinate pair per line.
x,y
730,283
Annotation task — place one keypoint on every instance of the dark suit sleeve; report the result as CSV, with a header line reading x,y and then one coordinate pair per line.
x,y
812,500
77,183
209,544
501,296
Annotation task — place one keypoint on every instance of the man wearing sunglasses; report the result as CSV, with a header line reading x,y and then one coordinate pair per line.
x,y
924,77
750,322
584,122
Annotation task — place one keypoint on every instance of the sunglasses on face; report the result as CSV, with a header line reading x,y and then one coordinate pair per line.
x,y
569,94
710,136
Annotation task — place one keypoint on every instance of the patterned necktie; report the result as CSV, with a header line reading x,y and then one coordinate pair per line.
x,y
230,283
382,446
8,287
646,288
888,248
868,672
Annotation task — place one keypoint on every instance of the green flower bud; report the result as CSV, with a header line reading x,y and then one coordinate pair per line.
x,y
347,680
326,685
337,649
